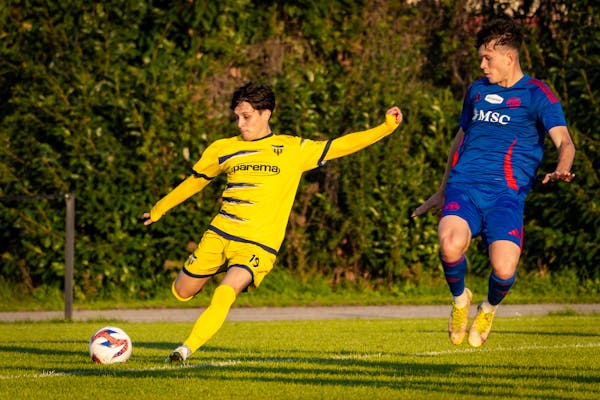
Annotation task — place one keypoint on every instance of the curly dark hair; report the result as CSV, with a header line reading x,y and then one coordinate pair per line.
x,y
260,96
504,31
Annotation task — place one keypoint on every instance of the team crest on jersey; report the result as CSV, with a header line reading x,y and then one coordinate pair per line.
x,y
513,102
277,148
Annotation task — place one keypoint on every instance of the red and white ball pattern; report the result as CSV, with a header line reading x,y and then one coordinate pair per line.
x,y
110,345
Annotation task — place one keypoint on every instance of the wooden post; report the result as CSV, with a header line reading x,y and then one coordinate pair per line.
x,y
69,254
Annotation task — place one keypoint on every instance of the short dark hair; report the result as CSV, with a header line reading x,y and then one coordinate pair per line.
x,y
260,96
504,31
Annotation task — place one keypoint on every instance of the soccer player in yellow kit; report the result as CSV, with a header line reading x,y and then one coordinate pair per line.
x,y
263,172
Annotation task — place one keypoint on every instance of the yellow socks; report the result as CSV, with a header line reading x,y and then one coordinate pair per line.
x,y
177,296
212,318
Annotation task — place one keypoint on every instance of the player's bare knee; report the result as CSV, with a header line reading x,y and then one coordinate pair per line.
x,y
504,257
504,270
451,250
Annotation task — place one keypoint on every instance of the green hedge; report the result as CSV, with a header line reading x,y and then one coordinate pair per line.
x,y
115,101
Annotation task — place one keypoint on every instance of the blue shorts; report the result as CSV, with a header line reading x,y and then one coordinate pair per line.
x,y
494,214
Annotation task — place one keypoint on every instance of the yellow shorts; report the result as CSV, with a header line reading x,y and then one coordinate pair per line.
x,y
216,254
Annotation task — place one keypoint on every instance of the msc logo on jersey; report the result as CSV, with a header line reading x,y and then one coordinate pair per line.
x,y
256,169
277,149
490,116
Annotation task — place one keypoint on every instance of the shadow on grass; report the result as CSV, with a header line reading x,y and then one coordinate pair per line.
x,y
458,374
499,331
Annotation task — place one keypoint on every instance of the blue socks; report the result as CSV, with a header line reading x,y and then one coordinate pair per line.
x,y
455,274
499,288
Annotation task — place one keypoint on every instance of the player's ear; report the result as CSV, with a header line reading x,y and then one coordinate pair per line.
x,y
512,56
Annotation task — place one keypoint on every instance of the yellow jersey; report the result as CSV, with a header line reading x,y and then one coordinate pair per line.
x,y
262,179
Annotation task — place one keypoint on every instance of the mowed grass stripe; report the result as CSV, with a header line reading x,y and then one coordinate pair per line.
x,y
51,374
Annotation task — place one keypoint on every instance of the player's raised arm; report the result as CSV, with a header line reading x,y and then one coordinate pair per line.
x,y
353,142
183,191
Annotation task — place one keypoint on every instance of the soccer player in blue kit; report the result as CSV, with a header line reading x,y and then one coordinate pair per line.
x,y
492,165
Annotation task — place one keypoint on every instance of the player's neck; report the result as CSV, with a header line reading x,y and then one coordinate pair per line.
x,y
512,78
250,136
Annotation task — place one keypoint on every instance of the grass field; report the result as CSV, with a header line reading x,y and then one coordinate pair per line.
x,y
550,357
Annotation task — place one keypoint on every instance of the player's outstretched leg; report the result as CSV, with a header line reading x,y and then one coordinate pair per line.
x,y
207,324
459,318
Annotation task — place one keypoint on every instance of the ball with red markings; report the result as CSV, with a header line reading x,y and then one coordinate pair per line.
x,y
110,345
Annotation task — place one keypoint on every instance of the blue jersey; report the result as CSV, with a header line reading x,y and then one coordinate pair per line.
x,y
504,133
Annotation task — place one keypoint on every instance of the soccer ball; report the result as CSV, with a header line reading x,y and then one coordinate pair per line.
x,y
110,345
